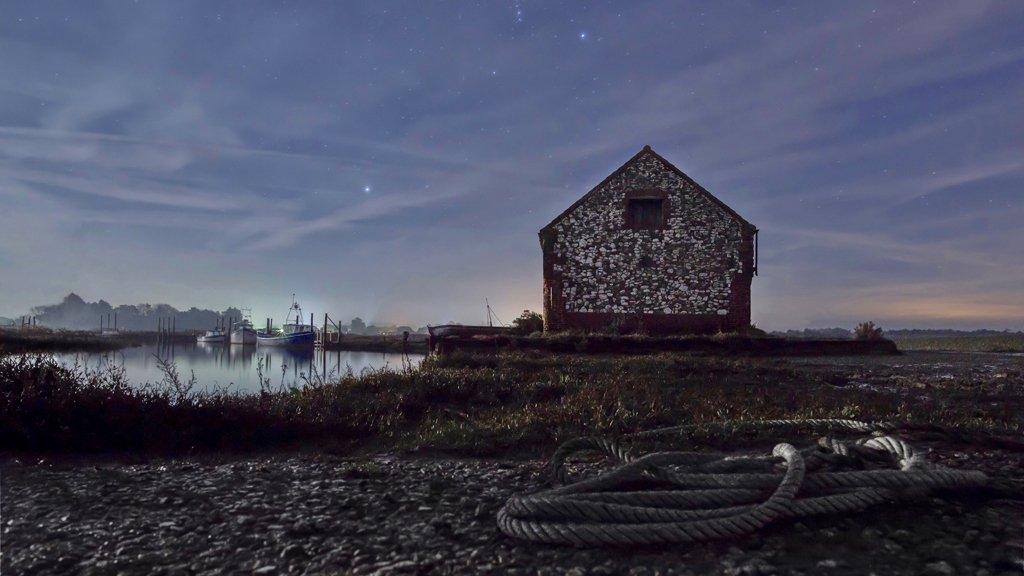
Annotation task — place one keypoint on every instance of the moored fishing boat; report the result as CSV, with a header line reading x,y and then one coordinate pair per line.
x,y
215,336
243,333
293,333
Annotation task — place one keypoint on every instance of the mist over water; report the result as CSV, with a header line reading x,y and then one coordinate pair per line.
x,y
235,368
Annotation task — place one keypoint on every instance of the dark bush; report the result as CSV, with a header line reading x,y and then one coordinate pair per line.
x,y
527,323
867,331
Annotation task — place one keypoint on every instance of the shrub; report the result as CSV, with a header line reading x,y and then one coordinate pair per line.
x,y
528,323
867,331
616,326
755,332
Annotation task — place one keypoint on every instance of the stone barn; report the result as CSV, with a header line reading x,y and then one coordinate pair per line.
x,y
649,250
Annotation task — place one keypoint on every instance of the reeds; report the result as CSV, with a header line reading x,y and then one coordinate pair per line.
x,y
522,403
1010,342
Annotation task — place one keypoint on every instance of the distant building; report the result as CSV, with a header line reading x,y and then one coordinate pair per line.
x,y
648,249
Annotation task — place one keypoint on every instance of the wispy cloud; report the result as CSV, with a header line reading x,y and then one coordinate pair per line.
x,y
134,191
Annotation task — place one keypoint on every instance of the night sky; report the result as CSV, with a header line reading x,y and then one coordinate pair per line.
x,y
396,160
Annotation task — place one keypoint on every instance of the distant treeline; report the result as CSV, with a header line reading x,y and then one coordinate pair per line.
x,y
817,334
943,333
358,327
74,313
902,334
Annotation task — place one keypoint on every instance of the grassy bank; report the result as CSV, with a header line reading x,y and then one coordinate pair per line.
x,y
42,340
1010,342
417,343
493,404
719,344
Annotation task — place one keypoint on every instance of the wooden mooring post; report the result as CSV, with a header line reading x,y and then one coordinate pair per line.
x,y
324,338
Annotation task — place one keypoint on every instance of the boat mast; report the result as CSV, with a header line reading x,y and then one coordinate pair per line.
x,y
246,315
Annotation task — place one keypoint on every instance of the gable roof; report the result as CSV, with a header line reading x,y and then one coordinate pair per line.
x,y
648,150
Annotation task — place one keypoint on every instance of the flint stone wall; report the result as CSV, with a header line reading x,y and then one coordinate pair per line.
x,y
698,265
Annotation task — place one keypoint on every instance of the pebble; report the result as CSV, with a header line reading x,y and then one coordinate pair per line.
x,y
293,551
940,568
302,515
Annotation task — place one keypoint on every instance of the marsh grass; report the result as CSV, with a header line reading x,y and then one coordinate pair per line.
x,y
722,343
45,340
1010,342
513,403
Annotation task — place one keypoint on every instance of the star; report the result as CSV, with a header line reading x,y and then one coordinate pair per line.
x,y
367,189
583,35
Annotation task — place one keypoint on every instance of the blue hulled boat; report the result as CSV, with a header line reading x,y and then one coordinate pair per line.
x,y
293,333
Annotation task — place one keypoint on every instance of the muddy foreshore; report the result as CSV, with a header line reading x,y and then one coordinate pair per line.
x,y
383,515
316,513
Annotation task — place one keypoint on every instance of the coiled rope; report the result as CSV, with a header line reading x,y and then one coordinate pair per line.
x,y
673,497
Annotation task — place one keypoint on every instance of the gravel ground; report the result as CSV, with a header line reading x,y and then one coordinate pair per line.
x,y
331,515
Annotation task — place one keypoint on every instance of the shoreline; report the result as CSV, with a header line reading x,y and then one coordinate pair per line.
x,y
42,341
494,404
725,346
45,340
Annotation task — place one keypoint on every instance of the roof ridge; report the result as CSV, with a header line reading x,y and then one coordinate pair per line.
x,y
670,166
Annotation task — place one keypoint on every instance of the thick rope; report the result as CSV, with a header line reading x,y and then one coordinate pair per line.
x,y
816,423
671,497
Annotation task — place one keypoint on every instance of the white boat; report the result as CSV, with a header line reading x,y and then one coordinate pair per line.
x,y
243,332
212,336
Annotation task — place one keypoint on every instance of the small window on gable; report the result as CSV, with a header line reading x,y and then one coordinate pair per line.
x,y
645,213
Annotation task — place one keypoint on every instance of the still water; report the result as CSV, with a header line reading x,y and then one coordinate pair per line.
x,y
235,368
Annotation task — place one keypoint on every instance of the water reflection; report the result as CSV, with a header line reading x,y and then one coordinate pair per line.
x,y
238,368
